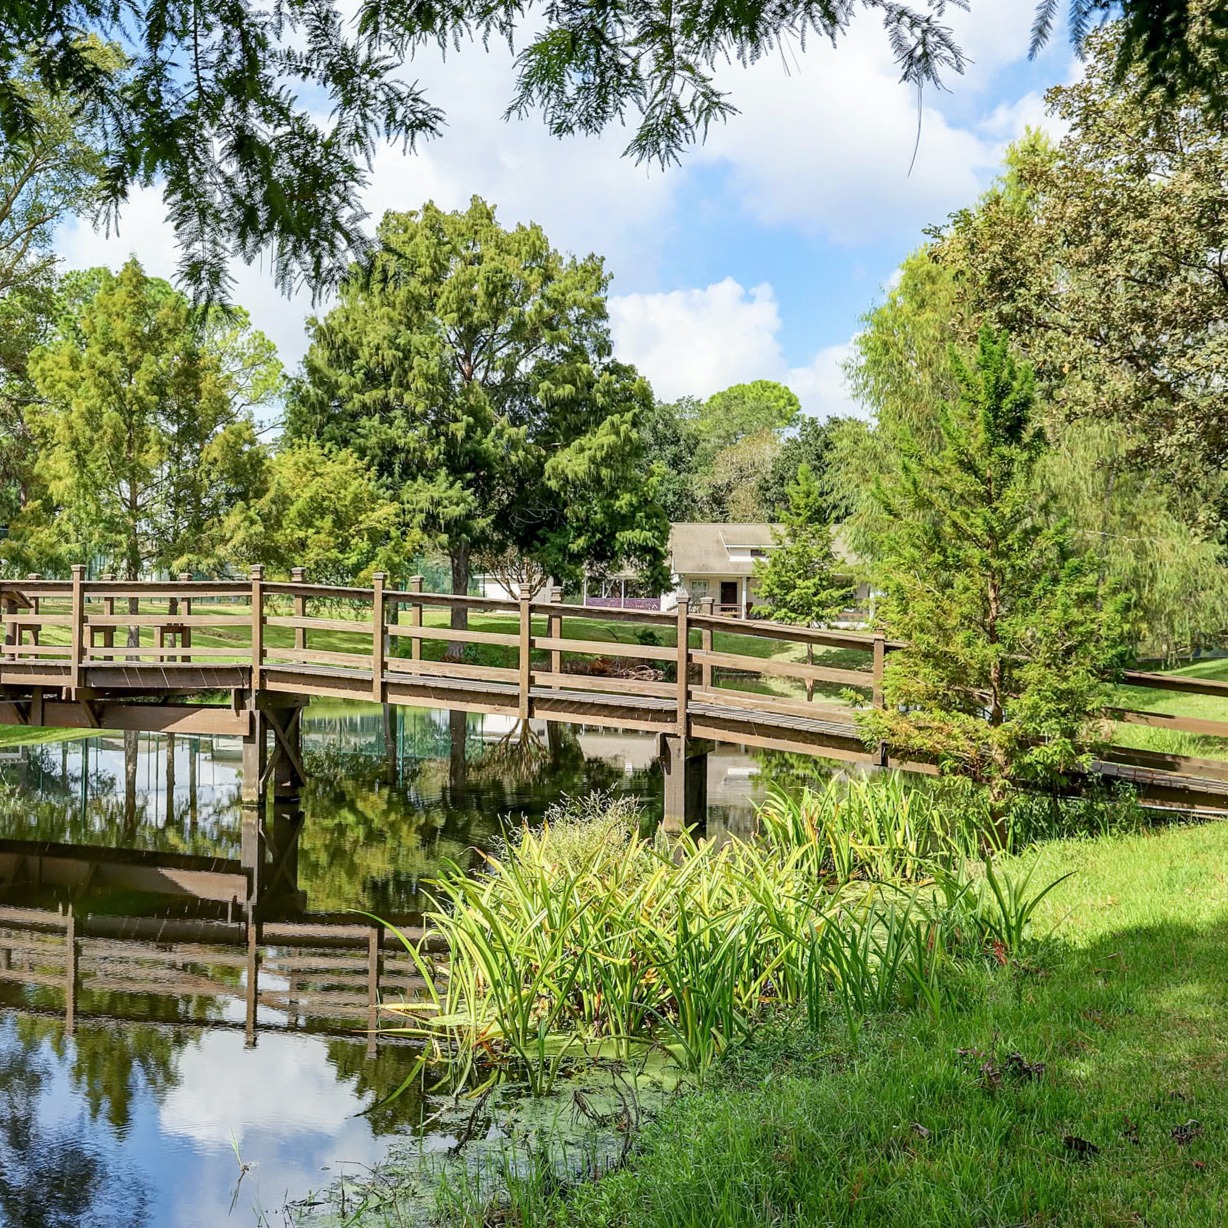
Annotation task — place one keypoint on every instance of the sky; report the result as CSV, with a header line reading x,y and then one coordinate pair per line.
x,y
754,259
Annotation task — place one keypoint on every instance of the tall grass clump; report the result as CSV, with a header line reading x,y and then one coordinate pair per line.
x,y
585,938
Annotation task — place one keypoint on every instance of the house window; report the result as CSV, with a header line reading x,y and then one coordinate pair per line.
x,y
699,588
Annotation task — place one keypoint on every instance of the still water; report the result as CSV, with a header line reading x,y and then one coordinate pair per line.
x,y
163,1092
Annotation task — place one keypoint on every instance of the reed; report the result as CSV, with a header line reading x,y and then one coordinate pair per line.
x,y
587,939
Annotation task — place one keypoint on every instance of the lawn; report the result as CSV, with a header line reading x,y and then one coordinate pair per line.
x,y
1087,1085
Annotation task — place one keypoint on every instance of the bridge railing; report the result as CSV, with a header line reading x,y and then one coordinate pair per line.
x,y
522,654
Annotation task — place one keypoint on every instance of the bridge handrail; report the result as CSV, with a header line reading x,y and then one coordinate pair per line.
x,y
36,605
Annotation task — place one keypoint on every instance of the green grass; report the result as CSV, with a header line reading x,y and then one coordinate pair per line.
x,y
1114,1112
1176,703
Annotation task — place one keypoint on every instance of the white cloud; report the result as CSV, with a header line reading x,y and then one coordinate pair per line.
x,y
697,342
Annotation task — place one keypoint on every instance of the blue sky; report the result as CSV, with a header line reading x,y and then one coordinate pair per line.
x,y
753,259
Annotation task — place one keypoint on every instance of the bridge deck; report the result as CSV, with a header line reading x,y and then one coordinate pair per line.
x,y
117,655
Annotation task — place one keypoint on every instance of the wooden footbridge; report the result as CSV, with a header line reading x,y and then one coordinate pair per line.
x,y
244,657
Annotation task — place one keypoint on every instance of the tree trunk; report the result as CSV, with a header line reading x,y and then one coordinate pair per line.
x,y
459,620
131,742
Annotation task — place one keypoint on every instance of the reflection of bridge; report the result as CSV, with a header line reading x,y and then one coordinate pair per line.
x,y
692,677
290,969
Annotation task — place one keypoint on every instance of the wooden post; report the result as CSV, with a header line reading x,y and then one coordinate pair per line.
x,y
876,694
809,681
705,644
252,1002
185,635
78,624
684,659
298,575
108,608
526,654
377,636
555,631
34,609
257,626
880,658
414,584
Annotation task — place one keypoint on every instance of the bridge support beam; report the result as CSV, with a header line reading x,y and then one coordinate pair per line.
x,y
684,762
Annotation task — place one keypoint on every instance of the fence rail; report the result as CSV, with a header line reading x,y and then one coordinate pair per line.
x,y
641,668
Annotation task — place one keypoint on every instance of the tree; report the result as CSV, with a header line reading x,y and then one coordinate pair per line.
x,y
470,367
210,102
1048,254
1010,632
320,508
798,583
145,441
668,430
810,445
50,173
745,410
728,488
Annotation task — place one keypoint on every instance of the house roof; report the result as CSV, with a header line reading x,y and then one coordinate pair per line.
x,y
698,548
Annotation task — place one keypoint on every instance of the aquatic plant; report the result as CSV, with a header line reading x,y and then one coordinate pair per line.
x,y
585,938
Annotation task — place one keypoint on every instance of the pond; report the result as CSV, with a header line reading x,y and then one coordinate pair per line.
x,y
186,1080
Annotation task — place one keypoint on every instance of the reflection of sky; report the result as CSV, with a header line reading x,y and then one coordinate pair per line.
x,y
175,1165
292,1116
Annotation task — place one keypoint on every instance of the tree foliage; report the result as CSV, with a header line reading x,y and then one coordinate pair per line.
x,y
811,444
470,367
799,582
317,507
144,440
222,102
1103,255
1010,630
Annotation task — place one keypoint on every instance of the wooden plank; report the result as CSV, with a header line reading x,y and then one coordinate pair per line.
x,y
238,653
861,640
166,621
598,648
359,658
1173,682
650,618
454,669
785,669
610,684
1162,720
451,601
753,701
503,639
318,624
41,620
1185,765
201,719
155,590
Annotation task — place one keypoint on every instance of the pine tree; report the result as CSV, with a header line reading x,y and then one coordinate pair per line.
x,y
1011,632
799,583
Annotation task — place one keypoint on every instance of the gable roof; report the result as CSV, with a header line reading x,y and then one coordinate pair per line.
x,y
703,548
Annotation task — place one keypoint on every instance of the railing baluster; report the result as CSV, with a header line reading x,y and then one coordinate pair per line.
x,y
34,607
298,575
555,631
257,626
880,658
415,619
108,606
526,653
78,624
705,644
684,662
377,636
185,632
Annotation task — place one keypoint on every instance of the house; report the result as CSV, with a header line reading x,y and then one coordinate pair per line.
x,y
714,561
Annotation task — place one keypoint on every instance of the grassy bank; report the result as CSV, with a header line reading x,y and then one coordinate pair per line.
x,y
1084,1084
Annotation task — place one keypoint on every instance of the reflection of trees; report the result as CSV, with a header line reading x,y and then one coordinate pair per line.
x,y
48,1179
107,1063
58,796
793,772
374,1079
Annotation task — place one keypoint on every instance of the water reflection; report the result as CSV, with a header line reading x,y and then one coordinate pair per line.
x,y
139,1107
